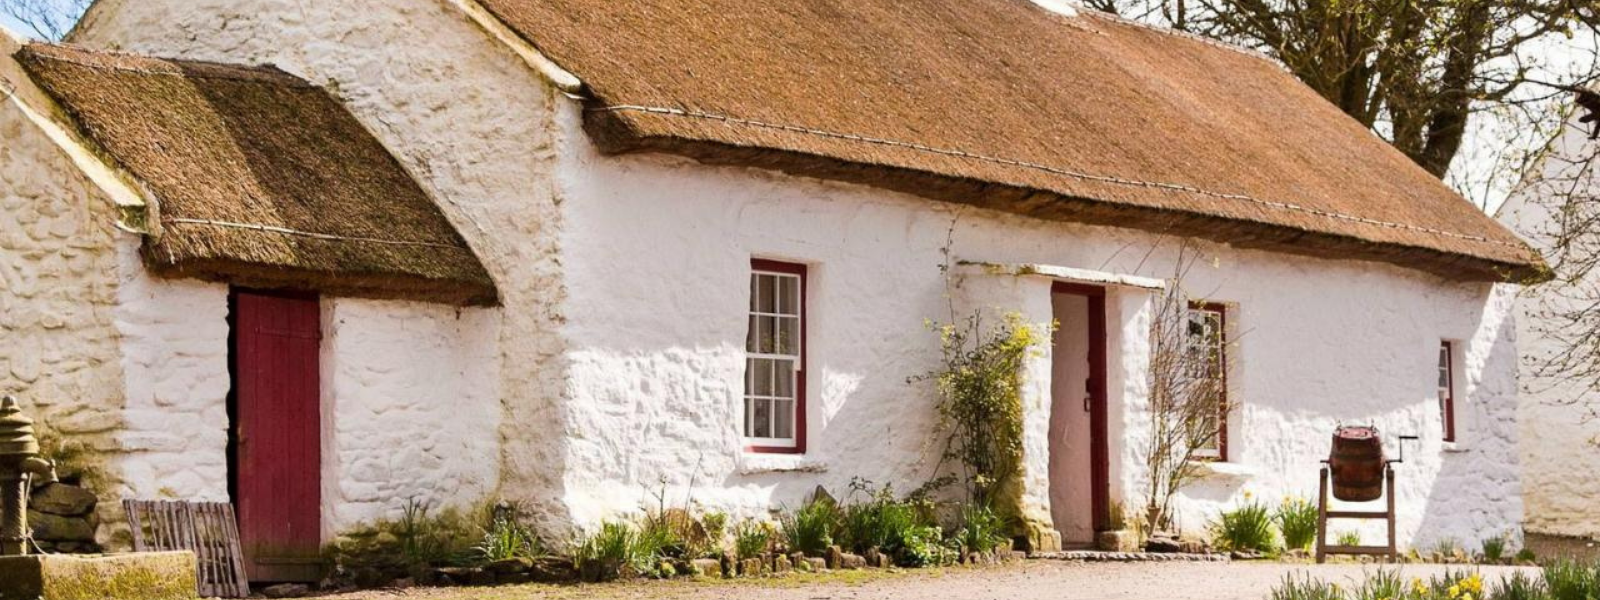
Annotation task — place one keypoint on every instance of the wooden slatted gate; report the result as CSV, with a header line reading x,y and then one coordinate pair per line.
x,y
206,528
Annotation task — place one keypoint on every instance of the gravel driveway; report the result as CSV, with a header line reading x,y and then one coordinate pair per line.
x,y
1030,580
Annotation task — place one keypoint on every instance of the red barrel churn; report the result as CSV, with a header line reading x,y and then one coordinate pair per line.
x,y
1356,464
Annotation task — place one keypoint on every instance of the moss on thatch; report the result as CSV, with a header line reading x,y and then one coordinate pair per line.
x,y
1003,104
261,179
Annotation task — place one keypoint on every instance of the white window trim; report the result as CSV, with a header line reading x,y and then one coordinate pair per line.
x,y
796,359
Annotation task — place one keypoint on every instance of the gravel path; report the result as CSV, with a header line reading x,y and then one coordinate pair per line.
x,y
1030,580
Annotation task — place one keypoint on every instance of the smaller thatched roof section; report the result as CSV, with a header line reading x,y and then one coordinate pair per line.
x,y
261,179
1006,105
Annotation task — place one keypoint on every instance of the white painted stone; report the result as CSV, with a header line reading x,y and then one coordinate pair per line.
x,y
410,408
1560,434
174,345
620,345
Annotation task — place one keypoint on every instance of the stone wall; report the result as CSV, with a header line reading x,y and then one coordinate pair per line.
x,y
621,341
59,346
657,314
468,119
410,408
174,344
1560,434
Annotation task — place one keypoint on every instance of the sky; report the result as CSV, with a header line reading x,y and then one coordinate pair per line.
x,y
13,25
1481,171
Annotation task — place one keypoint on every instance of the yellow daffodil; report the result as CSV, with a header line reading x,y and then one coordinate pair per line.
x,y
1473,583
1455,590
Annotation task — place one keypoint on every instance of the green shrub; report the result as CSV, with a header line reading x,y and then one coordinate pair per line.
x,y
1526,555
1519,586
1305,588
1297,519
982,529
1494,548
751,538
1246,528
428,538
810,529
615,547
508,537
715,526
1571,580
1561,581
1447,547
1349,538
1383,584
920,546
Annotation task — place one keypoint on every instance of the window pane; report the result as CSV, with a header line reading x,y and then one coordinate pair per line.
x,y
784,411
762,415
766,342
760,377
784,372
755,294
789,295
789,336
750,336
769,295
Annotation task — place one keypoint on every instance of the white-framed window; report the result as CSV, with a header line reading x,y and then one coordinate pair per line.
x,y
1447,389
1207,362
774,378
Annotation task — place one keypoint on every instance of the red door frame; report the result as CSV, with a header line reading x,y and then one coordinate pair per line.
x,y
273,357
1099,446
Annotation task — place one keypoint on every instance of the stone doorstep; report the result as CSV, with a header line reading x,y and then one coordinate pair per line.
x,y
140,576
1098,556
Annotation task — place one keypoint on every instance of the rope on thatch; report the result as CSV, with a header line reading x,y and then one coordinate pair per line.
x,y
309,234
676,112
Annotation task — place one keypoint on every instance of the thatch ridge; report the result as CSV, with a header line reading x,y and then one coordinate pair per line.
x,y
1003,104
261,178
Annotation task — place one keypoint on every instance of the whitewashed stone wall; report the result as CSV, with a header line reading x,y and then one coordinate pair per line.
x,y
624,282
410,408
59,349
174,348
468,119
1560,435
657,315
58,288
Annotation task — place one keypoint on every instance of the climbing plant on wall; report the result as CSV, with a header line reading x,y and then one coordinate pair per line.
x,y
979,388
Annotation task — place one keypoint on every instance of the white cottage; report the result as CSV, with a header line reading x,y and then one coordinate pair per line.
x,y
645,182
1557,418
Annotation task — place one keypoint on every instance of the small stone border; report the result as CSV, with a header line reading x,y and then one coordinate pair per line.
x,y
1097,556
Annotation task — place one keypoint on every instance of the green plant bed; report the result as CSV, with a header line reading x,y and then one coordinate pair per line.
x,y
142,576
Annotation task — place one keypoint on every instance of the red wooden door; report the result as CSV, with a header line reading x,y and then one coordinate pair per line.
x,y
277,462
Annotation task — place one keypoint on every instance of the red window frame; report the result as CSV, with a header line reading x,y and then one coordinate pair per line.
x,y
1221,311
799,447
1447,400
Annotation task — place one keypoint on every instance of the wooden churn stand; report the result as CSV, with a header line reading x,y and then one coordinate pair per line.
x,y
1357,472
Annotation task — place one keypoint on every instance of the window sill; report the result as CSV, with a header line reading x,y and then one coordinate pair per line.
x,y
1228,470
759,463
1453,447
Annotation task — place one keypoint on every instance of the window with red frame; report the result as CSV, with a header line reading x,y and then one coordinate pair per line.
x,y
1207,362
1447,390
774,378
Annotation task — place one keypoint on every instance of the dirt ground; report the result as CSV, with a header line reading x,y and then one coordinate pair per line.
x,y
1029,580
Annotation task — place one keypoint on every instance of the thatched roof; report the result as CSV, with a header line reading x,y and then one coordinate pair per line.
x,y
260,178
1003,104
